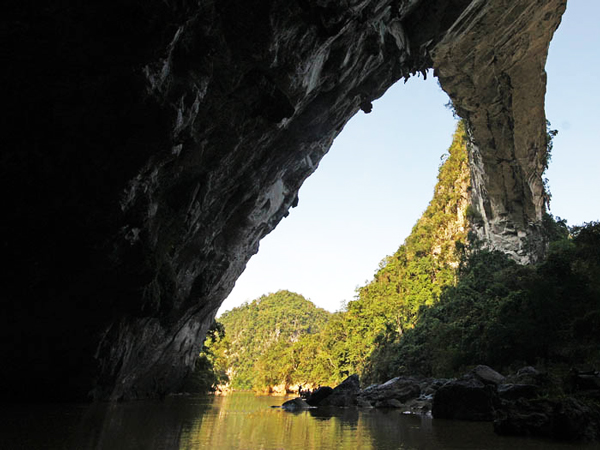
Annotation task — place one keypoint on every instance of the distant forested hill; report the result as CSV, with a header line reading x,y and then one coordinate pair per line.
x,y
259,339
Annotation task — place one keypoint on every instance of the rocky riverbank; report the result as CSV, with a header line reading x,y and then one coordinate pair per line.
x,y
526,403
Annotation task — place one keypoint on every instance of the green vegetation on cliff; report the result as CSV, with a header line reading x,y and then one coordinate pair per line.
x,y
426,263
432,309
412,277
264,352
506,316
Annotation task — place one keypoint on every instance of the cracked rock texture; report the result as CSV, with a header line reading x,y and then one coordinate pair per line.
x,y
151,146
491,63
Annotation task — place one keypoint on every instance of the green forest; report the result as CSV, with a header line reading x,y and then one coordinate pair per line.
x,y
261,344
436,307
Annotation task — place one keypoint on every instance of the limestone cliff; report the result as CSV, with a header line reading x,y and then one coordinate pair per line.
x,y
491,63
152,145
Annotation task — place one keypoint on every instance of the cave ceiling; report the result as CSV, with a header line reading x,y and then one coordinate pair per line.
x,y
151,146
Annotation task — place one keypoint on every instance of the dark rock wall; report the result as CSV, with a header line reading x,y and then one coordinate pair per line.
x,y
151,146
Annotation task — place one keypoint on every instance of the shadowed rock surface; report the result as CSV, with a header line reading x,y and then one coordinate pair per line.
x,y
151,146
399,389
464,399
316,397
566,419
344,394
296,404
521,404
487,375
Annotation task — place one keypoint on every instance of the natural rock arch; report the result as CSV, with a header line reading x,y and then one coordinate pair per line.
x,y
153,146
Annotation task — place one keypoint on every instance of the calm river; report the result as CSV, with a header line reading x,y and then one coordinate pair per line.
x,y
240,421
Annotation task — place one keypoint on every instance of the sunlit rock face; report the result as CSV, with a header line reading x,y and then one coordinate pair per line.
x,y
153,145
491,63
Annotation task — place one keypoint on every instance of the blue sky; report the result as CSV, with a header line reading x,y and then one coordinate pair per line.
x,y
378,177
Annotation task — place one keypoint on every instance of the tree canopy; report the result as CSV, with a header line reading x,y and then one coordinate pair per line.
x,y
259,348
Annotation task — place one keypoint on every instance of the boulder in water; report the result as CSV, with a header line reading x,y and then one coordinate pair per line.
x,y
465,399
315,398
295,404
400,389
565,419
345,394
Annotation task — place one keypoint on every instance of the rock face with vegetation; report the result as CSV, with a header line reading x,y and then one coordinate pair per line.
x,y
382,312
501,314
151,146
491,63
497,313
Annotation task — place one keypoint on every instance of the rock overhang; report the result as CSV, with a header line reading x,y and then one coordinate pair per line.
x,y
154,147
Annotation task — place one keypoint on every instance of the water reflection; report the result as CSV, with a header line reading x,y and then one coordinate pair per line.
x,y
240,421
139,425
130,425
245,421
